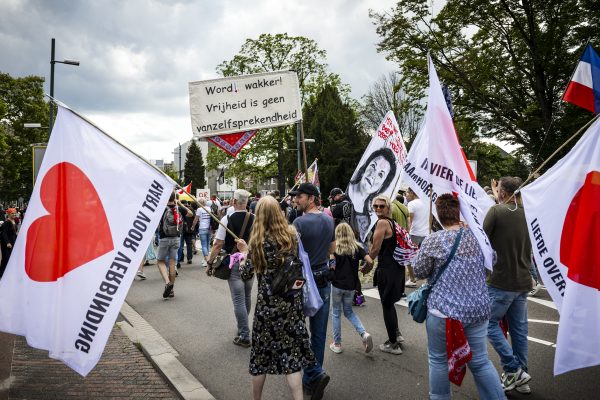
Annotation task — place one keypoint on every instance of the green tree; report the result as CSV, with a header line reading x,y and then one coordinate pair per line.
x,y
339,137
170,171
506,62
21,101
266,156
194,170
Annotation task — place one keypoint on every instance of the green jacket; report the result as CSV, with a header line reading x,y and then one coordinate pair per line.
x,y
400,214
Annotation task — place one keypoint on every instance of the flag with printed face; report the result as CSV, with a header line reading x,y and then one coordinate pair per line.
x,y
87,227
565,236
377,173
437,159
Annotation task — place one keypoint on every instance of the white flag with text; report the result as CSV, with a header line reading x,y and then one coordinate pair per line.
x,y
92,214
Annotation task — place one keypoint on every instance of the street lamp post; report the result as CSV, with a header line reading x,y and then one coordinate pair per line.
x,y
52,62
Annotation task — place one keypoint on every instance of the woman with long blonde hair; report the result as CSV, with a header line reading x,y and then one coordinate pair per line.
x,y
348,253
280,342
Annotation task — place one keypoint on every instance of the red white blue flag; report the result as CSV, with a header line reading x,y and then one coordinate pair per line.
x,y
584,88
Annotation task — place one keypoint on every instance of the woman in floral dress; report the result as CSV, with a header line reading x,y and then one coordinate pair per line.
x,y
280,341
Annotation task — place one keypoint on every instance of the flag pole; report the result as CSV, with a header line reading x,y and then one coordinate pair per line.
x,y
304,164
557,151
178,186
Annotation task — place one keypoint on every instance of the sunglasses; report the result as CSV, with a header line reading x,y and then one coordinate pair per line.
x,y
380,206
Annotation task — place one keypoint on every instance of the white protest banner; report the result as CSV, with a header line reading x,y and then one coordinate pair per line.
x,y
437,159
87,227
203,193
377,172
244,103
565,237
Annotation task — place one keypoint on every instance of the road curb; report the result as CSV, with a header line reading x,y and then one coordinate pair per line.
x,y
162,355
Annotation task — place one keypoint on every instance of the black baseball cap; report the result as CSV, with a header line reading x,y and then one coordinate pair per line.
x,y
334,192
306,188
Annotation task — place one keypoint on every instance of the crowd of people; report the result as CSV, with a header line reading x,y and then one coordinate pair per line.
x,y
266,236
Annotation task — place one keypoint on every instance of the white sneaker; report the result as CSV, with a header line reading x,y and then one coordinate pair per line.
x,y
336,348
535,289
367,342
204,264
511,380
387,347
411,284
141,275
399,337
524,389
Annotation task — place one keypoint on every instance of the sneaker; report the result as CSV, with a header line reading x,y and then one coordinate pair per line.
x,y
367,342
141,275
535,289
168,290
241,342
189,261
387,347
336,348
318,387
524,389
511,380
204,264
399,337
411,284
178,265
172,294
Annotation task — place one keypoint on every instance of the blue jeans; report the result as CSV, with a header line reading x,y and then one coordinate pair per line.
x,y
204,235
341,298
486,379
240,296
186,238
513,305
318,336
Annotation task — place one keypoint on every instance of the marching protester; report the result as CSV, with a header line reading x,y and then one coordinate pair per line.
x,y
186,238
170,226
510,283
280,343
418,226
240,223
202,220
341,207
348,254
458,306
400,212
8,237
293,211
389,274
318,238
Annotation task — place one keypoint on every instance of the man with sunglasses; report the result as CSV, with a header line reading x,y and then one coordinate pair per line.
x,y
318,239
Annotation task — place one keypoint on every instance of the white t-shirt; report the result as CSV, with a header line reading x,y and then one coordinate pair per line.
x,y
203,218
420,217
221,232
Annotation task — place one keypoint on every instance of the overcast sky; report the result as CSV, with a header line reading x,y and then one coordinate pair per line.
x,y
137,56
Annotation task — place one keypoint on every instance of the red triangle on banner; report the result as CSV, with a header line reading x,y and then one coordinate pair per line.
x,y
232,143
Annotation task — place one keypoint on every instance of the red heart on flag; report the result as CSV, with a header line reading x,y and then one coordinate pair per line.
x,y
580,239
75,232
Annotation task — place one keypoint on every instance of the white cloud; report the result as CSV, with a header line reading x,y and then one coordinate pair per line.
x,y
137,56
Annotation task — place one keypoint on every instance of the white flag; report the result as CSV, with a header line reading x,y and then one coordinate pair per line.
x,y
436,158
562,208
91,216
377,172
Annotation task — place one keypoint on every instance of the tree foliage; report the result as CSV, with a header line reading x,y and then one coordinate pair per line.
x,y
194,170
21,101
339,137
507,62
389,93
258,161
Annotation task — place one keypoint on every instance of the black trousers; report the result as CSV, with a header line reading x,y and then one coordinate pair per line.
x,y
5,256
390,284
186,238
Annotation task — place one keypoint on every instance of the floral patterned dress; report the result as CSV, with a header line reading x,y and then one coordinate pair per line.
x,y
280,342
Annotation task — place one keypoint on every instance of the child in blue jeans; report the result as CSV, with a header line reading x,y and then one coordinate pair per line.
x,y
348,253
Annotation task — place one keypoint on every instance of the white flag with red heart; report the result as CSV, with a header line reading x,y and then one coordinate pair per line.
x,y
91,216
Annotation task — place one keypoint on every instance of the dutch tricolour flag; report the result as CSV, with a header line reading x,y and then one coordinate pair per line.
x,y
584,88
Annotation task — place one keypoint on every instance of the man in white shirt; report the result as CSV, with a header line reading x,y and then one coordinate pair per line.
x,y
418,227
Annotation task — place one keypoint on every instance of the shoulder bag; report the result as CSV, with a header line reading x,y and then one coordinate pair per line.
x,y
221,269
417,300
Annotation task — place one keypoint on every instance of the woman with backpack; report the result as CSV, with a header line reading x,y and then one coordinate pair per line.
x,y
280,342
389,273
348,254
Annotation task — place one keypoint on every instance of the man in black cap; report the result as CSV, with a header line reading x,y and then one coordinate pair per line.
x,y
341,206
317,234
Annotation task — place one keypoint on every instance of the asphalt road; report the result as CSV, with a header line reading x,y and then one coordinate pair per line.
x,y
199,323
